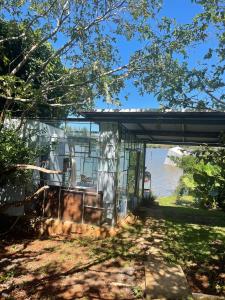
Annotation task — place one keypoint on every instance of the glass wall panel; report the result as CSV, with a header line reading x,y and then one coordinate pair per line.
x,y
73,148
129,172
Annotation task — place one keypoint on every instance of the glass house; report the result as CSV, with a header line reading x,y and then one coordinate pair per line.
x,y
102,166
102,158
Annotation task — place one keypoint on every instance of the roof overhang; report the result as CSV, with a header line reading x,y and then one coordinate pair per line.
x,y
182,128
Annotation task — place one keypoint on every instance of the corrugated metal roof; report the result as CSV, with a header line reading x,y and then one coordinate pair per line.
x,y
191,128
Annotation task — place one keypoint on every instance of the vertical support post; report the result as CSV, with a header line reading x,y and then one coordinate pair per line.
x,y
116,194
59,202
143,176
43,203
137,174
83,206
109,138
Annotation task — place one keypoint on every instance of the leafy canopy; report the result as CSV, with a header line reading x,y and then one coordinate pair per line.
x,y
66,54
171,70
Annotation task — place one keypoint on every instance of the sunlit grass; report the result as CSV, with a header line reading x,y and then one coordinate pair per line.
x,y
195,239
184,201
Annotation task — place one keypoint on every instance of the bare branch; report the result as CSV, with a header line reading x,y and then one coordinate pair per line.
x,y
63,77
60,105
24,100
60,21
32,167
99,19
12,38
209,93
17,167
50,88
29,25
215,99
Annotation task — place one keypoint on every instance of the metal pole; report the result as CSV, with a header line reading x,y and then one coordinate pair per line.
x,y
83,199
43,203
59,202
116,178
143,176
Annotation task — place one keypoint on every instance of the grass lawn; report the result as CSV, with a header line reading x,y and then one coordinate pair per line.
x,y
195,238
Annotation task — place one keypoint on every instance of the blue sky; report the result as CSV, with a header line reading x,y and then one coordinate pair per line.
x,y
183,11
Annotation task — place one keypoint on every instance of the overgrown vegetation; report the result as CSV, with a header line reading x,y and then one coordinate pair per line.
x,y
17,149
204,176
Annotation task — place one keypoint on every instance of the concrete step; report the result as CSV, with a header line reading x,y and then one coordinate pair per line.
x,y
164,281
198,296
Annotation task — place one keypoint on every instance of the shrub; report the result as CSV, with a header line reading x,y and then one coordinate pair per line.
x,y
148,199
204,176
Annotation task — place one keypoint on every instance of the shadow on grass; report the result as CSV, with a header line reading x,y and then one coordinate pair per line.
x,y
194,216
195,239
185,203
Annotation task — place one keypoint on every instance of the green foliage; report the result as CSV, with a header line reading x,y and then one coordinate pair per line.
x,y
31,100
195,239
15,149
171,72
204,176
65,53
6,276
138,291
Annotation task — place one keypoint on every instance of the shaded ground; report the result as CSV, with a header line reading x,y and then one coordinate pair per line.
x,y
72,269
113,268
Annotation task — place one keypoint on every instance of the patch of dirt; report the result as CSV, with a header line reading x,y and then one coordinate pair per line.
x,y
86,268
109,280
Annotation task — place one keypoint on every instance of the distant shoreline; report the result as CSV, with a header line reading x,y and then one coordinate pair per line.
x,y
158,146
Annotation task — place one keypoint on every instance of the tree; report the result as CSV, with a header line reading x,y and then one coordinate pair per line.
x,y
83,37
10,53
171,72
64,53
60,55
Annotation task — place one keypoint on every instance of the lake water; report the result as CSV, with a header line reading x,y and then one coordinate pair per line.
x,y
165,178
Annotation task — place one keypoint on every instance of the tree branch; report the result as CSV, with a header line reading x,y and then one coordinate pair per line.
x,y
60,21
99,19
12,38
60,104
215,99
50,88
18,167
15,98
